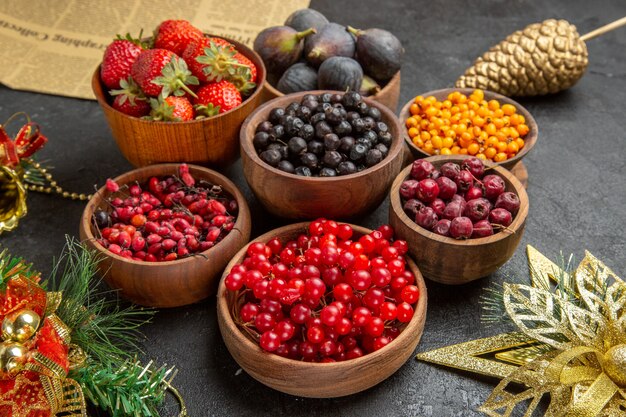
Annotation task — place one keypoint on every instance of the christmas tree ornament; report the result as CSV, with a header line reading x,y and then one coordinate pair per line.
x,y
20,325
570,345
19,172
12,357
540,59
68,347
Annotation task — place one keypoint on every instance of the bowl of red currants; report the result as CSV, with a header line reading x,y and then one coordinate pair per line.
x,y
321,153
322,309
165,232
462,217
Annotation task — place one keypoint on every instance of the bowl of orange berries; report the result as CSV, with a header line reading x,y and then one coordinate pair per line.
x,y
463,121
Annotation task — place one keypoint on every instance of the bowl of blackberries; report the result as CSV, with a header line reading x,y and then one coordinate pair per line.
x,y
462,217
321,153
308,53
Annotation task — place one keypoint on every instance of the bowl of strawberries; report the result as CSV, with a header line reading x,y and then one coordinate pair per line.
x,y
180,96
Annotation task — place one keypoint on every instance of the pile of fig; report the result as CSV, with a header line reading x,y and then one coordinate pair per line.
x,y
310,53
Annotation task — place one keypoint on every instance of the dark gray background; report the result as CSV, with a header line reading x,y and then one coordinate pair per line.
x,y
577,201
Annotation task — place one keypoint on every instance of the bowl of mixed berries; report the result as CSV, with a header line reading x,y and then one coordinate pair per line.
x,y
179,96
322,309
165,232
463,217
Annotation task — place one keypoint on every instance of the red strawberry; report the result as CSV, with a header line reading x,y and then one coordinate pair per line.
x,y
222,96
171,109
130,99
242,59
118,59
175,35
159,71
190,54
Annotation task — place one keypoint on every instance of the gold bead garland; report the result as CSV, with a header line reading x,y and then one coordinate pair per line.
x,y
53,187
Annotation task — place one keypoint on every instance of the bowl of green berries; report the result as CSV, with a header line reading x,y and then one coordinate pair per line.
x,y
321,153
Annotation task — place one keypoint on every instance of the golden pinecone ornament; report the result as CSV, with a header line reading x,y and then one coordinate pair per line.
x,y
542,58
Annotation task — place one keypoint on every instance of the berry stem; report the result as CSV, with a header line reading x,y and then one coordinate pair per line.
x,y
186,89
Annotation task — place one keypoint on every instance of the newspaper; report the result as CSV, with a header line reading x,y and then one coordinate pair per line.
x,y
54,46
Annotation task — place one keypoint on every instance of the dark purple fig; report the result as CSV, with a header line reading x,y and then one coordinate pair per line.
x,y
379,51
298,77
306,18
369,86
331,40
280,47
340,73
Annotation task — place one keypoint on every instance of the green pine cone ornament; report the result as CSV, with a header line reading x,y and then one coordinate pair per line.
x,y
541,59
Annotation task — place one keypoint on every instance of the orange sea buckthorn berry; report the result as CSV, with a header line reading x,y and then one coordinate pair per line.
x,y
445,151
413,132
492,141
424,135
410,122
499,123
512,148
478,121
418,142
431,111
455,149
501,147
428,148
446,104
479,94
491,129
490,152
437,142
473,149
520,143
481,156
523,129
463,151
414,109
447,142
494,105
513,133
508,109
500,156
419,99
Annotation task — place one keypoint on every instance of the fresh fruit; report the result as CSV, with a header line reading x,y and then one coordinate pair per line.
x,y
354,310
167,218
129,99
118,59
298,77
468,125
217,97
340,73
280,46
379,52
161,72
306,18
175,35
171,109
369,86
331,40
457,203
242,59
324,135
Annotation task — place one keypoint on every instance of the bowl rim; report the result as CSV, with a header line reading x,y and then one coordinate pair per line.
x,y
533,132
516,224
412,326
389,117
100,91
102,192
393,79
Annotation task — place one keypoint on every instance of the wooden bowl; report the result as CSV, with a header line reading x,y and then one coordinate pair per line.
x,y
450,261
529,140
297,197
212,141
173,283
316,380
388,95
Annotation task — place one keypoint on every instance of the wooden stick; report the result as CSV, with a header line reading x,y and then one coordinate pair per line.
x,y
604,29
